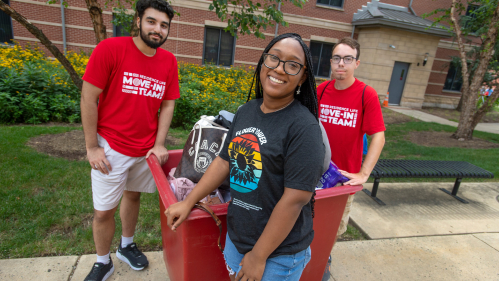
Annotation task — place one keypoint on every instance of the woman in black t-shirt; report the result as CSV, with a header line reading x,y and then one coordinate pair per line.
x,y
273,155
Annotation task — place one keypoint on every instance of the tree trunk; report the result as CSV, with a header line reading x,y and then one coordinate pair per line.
x,y
470,90
45,41
97,20
134,31
460,104
488,104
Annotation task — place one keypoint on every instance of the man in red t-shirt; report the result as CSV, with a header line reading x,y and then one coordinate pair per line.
x,y
126,82
348,109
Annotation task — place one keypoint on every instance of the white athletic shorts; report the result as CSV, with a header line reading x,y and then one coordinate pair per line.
x,y
128,173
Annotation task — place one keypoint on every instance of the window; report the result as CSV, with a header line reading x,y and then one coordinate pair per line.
x,y
454,79
470,16
119,30
321,58
470,10
332,3
5,26
218,47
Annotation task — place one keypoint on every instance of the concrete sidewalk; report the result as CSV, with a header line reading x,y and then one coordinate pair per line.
x,y
77,267
423,116
413,209
451,257
423,209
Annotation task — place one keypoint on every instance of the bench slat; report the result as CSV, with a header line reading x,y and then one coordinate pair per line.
x,y
397,168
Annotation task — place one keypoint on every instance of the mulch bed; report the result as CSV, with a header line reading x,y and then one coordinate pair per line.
x,y
443,139
70,145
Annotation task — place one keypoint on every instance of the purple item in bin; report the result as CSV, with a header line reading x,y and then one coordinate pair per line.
x,y
331,177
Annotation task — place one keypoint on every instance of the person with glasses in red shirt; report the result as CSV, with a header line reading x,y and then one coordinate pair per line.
x,y
348,109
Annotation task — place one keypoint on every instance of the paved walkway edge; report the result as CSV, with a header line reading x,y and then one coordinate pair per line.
x,y
423,116
74,268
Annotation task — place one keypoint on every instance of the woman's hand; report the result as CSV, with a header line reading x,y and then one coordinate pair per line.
x,y
177,213
252,268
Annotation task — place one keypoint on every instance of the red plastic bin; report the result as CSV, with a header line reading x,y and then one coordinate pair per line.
x,y
192,253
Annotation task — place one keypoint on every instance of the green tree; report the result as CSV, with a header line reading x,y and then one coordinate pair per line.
x,y
480,64
45,41
242,16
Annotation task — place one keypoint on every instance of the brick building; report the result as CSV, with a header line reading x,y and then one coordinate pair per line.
x,y
398,52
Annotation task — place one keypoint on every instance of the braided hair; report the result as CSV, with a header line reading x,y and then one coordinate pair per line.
x,y
308,90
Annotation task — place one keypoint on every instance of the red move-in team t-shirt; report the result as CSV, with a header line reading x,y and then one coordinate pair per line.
x,y
134,85
345,121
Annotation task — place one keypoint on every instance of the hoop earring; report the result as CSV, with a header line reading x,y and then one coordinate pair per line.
x,y
298,91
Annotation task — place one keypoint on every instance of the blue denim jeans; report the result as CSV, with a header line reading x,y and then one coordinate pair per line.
x,y
280,268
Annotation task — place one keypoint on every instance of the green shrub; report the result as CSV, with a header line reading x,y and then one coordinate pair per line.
x,y
35,89
207,89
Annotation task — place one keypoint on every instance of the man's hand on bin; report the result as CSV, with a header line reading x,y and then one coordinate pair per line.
x,y
161,153
97,159
177,213
355,178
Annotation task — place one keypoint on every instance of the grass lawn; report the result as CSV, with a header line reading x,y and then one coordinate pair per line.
x,y
47,207
453,115
351,234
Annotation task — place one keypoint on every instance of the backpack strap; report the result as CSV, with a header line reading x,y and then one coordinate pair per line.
x,y
323,91
363,99
362,95
363,91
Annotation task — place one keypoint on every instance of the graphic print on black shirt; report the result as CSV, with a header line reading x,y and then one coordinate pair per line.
x,y
245,163
268,153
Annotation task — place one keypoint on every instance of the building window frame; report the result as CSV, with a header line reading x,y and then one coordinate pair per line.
x,y
329,5
220,29
9,41
456,77
469,10
316,71
119,28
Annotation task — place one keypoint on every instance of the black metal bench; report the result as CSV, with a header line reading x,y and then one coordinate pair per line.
x,y
425,169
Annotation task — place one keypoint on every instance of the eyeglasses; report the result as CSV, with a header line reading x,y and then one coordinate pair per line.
x,y
290,67
346,60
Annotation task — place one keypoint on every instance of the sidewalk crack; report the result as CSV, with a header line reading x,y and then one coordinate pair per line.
x,y
497,250
74,268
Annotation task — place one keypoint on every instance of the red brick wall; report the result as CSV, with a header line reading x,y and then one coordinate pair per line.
x,y
306,31
440,66
189,60
437,77
248,55
81,18
443,53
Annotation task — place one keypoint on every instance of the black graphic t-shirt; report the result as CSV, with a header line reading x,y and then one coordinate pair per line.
x,y
267,152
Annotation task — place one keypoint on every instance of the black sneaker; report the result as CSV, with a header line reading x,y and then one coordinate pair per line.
x,y
132,256
100,271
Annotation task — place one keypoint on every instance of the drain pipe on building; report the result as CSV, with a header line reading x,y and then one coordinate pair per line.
x,y
277,25
63,28
410,8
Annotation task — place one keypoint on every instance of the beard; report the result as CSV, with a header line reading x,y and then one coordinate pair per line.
x,y
339,76
151,43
